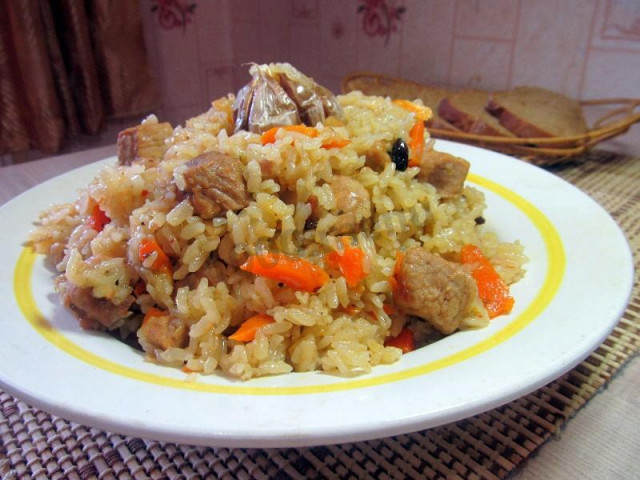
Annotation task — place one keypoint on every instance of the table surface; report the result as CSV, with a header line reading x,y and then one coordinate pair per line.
x,y
600,442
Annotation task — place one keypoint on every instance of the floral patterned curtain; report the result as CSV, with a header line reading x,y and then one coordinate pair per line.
x,y
66,66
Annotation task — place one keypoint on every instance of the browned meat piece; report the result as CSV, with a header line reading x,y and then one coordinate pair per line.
x,y
267,168
445,172
228,255
163,332
434,289
345,223
92,313
144,144
210,270
377,157
215,184
353,204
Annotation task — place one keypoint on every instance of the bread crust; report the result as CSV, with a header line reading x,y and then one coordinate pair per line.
x,y
465,120
537,112
437,122
515,124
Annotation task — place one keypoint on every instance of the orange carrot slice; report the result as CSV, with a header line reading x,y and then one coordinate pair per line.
x,y
154,312
294,272
270,135
404,341
247,330
416,143
161,264
350,263
416,134
97,219
336,143
351,310
421,112
492,290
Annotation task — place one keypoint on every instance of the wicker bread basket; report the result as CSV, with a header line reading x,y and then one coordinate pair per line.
x,y
620,114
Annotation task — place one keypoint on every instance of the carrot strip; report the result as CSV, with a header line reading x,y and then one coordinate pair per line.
x,y
421,112
492,290
270,135
247,330
97,219
351,310
416,134
153,312
404,341
388,308
336,143
416,143
162,263
295,272
350,263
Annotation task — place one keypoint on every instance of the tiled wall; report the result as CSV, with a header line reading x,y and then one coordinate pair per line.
x,y
583,48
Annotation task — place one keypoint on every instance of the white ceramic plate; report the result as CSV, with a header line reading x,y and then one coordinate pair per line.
x,y
577,285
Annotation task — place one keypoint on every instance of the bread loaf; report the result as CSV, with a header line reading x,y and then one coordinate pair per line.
x,y
466,110
537,112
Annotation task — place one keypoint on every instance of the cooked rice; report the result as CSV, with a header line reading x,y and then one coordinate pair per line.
x,y
312,331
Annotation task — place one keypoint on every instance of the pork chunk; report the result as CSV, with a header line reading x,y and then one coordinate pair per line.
x,y
227,253
143,144
163,332
434,289
377,157
215,184
212,270
353,204
92,313
445,172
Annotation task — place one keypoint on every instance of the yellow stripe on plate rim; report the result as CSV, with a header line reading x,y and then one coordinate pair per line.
x,y
22,285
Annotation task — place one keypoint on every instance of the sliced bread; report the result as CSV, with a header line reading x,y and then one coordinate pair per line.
x,y
466,111
537,112
432,97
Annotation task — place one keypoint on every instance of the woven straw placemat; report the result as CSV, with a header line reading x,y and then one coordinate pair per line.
x,y
34,444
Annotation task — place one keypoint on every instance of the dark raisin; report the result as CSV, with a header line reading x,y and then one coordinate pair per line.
x,y
400,154
479,220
